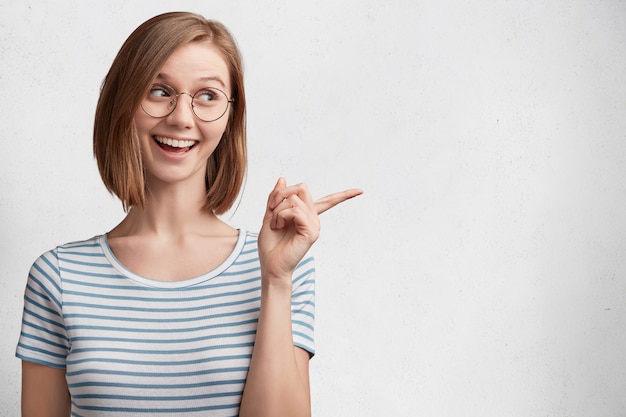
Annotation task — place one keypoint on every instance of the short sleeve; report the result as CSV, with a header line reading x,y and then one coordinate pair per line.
x,y
43,338
303,305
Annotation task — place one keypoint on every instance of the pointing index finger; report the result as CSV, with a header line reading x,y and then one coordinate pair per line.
x,y
331,200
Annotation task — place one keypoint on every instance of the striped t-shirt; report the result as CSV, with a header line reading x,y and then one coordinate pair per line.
x,y
132,346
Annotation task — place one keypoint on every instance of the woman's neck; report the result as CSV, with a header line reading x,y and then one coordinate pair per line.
x,y
171,212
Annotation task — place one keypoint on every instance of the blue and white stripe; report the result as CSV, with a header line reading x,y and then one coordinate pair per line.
x,y
134,346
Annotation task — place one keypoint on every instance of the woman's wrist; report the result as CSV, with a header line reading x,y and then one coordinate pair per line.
x,y
276,282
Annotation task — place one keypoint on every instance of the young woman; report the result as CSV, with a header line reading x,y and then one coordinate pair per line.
x,y
174,312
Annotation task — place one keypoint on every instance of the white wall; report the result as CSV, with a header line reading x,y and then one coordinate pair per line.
x,y
484,271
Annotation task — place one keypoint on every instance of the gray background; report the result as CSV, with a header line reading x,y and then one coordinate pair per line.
x,y
482,273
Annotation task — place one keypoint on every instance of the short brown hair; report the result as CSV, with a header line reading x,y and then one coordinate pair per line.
x,y
115,141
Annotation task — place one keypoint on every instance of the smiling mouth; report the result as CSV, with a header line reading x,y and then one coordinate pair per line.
x,y
174,145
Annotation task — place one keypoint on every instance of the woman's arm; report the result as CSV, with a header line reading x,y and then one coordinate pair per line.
x,y
44,391
278,379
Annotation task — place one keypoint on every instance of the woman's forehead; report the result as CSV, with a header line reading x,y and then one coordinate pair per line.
x,y
198,62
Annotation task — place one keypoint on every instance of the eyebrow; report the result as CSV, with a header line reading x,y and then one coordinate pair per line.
x,y
165,77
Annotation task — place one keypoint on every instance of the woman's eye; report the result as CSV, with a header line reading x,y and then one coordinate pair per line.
x,y
159,91
206,95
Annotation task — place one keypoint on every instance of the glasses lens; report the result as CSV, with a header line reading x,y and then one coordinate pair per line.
x,y
210,104
160,100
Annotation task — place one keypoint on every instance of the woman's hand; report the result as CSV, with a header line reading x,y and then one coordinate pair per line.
x,y
291,225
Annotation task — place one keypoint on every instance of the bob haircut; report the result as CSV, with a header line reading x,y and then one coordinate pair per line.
x,y
115,140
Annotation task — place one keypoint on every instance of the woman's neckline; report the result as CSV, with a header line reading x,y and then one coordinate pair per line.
x,y
126,272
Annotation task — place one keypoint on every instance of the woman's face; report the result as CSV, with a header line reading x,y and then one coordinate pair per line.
x,y
175,148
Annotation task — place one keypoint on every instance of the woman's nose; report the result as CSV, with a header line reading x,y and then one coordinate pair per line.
x,y
183,114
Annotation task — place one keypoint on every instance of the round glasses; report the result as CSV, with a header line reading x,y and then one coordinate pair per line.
x,y
208,104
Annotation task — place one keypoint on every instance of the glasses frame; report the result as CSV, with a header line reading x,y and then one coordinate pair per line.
x,y
193,108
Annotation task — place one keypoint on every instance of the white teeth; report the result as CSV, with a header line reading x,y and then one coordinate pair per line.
x,y
174,143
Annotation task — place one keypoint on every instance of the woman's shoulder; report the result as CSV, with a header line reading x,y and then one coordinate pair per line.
x,y
46,269
85,245
247,243
79,244
250,236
